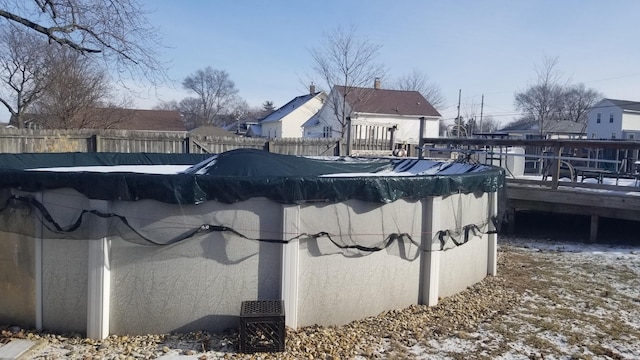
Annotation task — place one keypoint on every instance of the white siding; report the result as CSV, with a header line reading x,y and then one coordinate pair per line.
x,y
271,130
631,122
604,129
327,118
408,126
292,123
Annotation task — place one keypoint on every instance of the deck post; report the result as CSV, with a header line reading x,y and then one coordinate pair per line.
x,y
430,265
99,286
593,230
290,261
349,137
557,151
511,220
421,138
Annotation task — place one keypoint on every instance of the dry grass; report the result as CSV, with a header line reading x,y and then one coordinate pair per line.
x,y
571,306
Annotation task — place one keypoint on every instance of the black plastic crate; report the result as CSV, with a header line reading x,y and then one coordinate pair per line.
x,y
262,326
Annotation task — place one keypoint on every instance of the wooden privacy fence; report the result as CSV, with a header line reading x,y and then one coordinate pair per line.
x,y
128,141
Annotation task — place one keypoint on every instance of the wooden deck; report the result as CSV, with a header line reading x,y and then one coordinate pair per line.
x,y
594,200
599,198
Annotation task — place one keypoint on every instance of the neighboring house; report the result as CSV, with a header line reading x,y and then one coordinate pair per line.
x,y
555,129
253,130
242,128
287,121
393,109
565,129
116,118
211,131
614,119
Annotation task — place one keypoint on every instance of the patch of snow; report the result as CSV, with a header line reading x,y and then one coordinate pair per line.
x,y
139,169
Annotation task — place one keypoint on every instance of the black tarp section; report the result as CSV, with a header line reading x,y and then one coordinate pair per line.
x,y
239,175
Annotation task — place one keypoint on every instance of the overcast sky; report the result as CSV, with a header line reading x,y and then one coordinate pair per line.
x,y
482,47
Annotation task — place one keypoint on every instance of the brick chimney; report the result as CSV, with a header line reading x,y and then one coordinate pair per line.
x,y
312,89
376,83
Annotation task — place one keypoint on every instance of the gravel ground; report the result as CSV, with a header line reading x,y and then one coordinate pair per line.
x,y
551,300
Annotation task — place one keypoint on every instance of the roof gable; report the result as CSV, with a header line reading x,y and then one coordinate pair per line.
x,y
289,107
392,102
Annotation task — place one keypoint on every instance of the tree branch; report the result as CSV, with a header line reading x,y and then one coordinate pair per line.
x,y
49,32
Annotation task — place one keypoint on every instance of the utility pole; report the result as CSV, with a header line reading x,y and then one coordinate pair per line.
x,y
458,117
481,108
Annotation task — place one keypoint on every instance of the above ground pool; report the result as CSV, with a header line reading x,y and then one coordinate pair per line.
x,y
106,243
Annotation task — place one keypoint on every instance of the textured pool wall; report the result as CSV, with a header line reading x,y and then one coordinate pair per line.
x,y
199,283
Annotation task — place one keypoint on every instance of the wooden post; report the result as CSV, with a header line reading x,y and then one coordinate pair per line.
x,y
421,139
556,173
392,138
187,145
97,143
593,231
349,139
511,220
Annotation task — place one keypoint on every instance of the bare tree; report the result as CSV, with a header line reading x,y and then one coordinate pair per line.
x,y
540,100
552,99
191,110
576,102
216,93
76,87
118,30
347,61
23,71
488,124
418,81
167,105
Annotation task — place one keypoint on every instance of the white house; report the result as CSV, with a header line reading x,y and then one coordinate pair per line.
x,y
614,119
397,109
286,122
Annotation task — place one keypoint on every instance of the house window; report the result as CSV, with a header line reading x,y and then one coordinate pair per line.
x,y
613,135
598,118
593,135
611,118
327,131
632,136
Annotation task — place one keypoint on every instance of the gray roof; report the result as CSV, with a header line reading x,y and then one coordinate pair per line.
x,y
288,108
564,127
314,120
626,104
210,130
521,126
551,126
